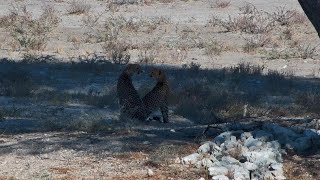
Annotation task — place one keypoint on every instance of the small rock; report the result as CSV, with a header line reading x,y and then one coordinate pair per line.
x,y
228,160
172,130
216,170
252,142
191,159
249,166
145,142
207,162
205,148
245,135
222,137
240,173
177,160
233,139
275,166
220,177
150,172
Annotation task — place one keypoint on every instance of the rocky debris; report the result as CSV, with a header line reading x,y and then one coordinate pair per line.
x,y
292,140
150,172
220,177
191,159
250,155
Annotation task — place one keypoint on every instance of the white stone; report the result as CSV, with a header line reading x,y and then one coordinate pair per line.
x,y
220,177
239,172
206,162
250,166
261,156
228,160
150,172
216,170
245,135
205,148
191,159
222,137
177,160
252,142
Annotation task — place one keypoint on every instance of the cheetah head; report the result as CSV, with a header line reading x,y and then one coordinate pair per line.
x,y
157,74
132,69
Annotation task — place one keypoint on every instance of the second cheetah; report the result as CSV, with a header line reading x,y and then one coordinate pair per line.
x,y
158,96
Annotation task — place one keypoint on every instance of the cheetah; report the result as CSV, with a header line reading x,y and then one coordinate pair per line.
x,y
131,104
158,96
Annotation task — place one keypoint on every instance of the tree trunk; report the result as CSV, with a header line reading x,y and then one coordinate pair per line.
x,y
312,10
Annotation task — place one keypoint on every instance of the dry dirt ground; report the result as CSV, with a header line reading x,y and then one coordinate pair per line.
x,y
55,126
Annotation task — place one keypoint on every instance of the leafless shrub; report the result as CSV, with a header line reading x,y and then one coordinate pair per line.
x,y
123,2
301,51
90,20
245,68
287,34
256,41
79,7
248,8
282,16
195,67
221,3
31,34
306,51
117,51
213,47
147,56
253,23
214,21
298,17
276,53
166,1
179,55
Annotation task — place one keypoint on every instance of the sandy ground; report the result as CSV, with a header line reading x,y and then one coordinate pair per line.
x,y
34,153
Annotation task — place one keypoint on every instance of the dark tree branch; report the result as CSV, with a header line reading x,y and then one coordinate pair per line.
x,y
312,10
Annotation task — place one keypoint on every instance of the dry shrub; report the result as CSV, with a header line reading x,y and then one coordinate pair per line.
x,y
79,7
221,3
248,8
31,34
249,23
213,47
256,41
148,56
298,17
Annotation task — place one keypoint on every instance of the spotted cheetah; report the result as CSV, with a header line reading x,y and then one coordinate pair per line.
x,y
158,96
131,104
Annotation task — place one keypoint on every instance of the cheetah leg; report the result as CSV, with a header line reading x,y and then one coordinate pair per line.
x,y
164,112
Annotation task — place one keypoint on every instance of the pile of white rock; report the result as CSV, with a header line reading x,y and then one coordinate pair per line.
x,y
250,155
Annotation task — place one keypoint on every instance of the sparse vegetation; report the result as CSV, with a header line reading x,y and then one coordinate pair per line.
x,y
79,7
213,47
221,3
31,34
254,42
249,23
